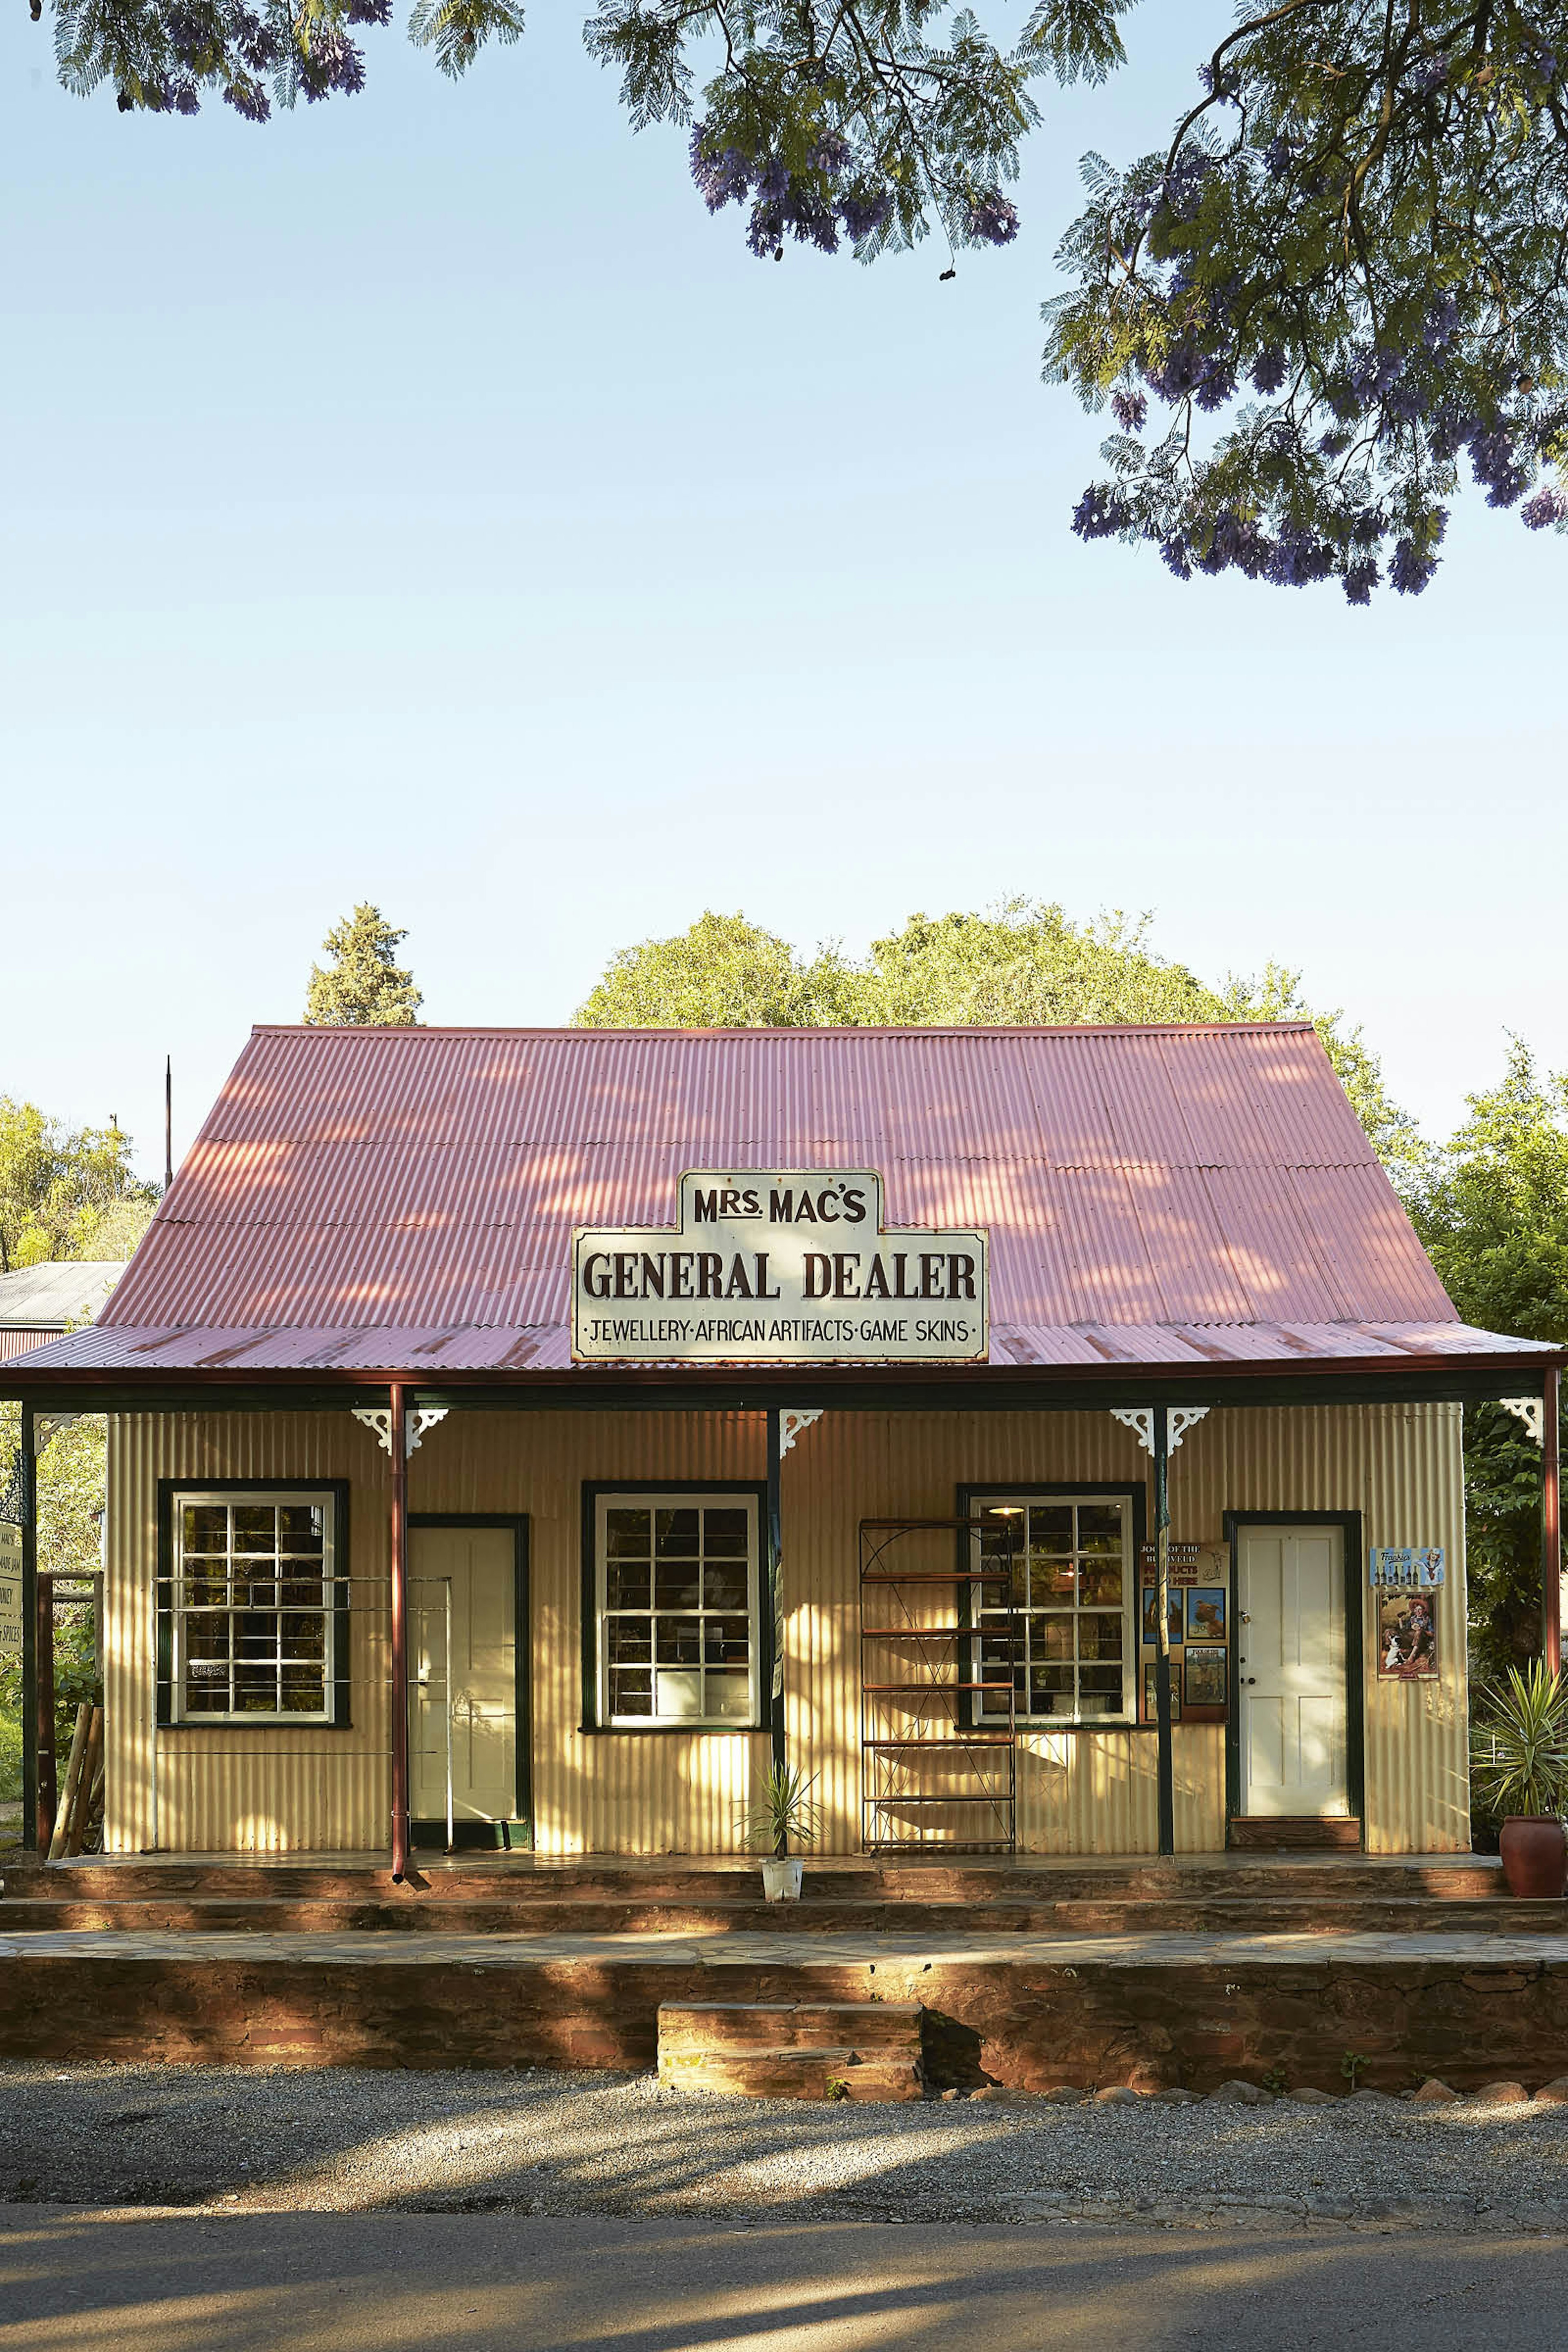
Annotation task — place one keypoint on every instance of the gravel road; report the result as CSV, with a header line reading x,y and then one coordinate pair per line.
x,y
353,2139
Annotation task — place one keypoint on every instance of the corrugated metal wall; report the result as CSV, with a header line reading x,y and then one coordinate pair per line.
x,y
14,1343
672,1791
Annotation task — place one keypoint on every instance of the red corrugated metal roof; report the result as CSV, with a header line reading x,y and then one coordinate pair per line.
x,y
381,1196
546,1347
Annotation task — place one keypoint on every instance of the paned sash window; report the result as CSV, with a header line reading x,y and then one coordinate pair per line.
x,y
1071,1647
254,1607
677,1608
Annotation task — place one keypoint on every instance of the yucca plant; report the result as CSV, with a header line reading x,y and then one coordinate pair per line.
x,y
784,1812
1520,1759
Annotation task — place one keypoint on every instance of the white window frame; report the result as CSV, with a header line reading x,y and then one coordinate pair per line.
x,y
1127,1717
622,1499
183,1498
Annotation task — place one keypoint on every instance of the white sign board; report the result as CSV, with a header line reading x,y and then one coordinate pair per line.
x,y
10,1590
780,1265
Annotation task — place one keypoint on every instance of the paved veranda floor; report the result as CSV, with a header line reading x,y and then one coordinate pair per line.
x,y
1453,1946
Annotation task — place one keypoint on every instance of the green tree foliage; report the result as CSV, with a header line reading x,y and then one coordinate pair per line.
x,y
363,987
1361,214
1022,963
66,1192
1025,963
723,973
1492,1212
70,1498
1363,219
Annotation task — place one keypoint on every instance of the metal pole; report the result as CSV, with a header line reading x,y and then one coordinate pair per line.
x,y
398,1432
1550,1529
1167,1790
776,1589
447,1663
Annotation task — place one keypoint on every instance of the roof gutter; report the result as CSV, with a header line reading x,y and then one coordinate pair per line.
x,y
1461,1377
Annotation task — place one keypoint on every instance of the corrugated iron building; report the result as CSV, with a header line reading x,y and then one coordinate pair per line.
x,y
39,1302
630,1586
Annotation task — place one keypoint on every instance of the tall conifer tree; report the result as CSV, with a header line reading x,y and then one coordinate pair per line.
x,y
363,987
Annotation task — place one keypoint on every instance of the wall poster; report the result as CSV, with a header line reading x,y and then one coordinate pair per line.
x,y
1204,1677
1414,1568
1406,1637
1199,1581
1151,1700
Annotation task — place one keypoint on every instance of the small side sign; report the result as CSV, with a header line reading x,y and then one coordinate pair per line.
x,y
10,1590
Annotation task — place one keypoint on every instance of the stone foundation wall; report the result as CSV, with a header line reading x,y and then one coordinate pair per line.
x,y
1029,2026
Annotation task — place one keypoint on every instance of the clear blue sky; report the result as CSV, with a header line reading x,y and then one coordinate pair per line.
x,y
423,500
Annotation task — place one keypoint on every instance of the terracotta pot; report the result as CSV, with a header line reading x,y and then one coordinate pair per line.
x,y
1534,1854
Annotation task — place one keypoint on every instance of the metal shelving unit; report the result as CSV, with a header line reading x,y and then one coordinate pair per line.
x,y
913,1770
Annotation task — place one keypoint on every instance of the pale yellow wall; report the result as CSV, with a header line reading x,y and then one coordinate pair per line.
x,y
677,1792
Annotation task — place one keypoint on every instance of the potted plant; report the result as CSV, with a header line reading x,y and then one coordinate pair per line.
x,y
1520,1764
784,1815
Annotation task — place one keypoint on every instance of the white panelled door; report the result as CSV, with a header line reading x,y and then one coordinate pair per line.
x,y
479,1562
1290,1657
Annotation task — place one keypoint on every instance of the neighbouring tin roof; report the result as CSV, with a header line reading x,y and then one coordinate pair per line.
x,y
387,1199
46,1297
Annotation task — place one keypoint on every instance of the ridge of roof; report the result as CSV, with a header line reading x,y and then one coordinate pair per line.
x,y
828,1029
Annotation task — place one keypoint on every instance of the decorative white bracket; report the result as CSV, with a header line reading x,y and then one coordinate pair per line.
x,y
378,1417
1179,1419
1531,1411
49,1426
793,1419
1140,1420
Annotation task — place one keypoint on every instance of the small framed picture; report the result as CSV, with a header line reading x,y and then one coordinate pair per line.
x,y
1205,1612
1152,1704
1152,1620
1206,1679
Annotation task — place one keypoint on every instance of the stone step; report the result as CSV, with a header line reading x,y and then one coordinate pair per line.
x,y
406,1913
861,2025
792,2050
520,1882
741,2072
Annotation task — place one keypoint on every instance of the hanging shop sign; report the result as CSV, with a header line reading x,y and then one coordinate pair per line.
x,y
1408,1568
10,1590
787,1265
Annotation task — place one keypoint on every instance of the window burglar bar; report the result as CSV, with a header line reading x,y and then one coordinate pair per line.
x,y
166,1587
340,1679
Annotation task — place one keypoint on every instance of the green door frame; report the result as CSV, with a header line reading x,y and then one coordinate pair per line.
x,y
1350,1526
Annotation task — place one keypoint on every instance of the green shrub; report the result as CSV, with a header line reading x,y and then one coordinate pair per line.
x,y
10,1757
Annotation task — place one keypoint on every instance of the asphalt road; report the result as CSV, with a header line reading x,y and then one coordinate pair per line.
x,y
141,2282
